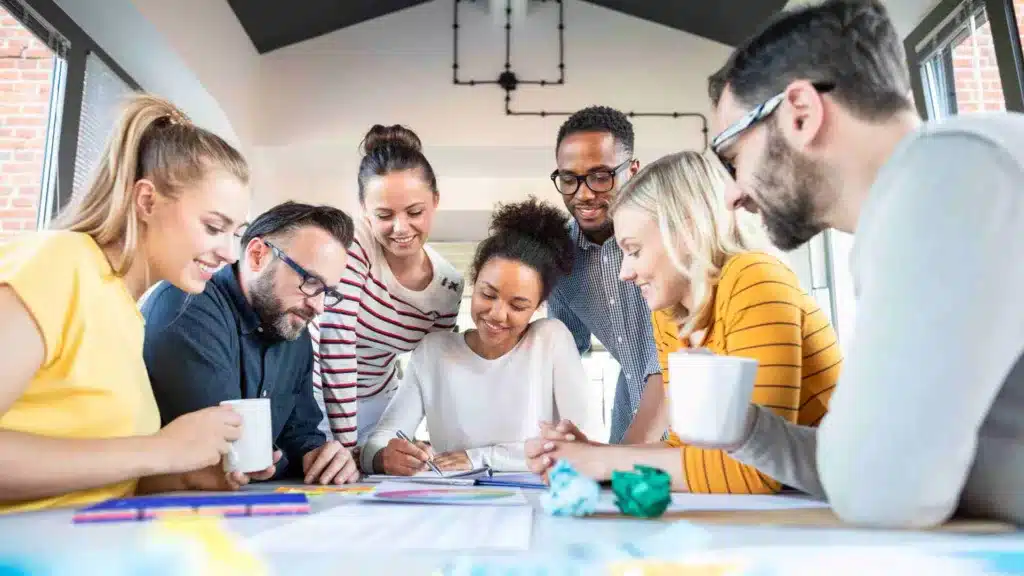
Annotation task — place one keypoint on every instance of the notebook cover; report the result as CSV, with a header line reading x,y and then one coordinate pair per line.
x,y
148,507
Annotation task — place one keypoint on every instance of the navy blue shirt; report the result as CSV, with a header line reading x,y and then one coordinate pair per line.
x,y
201,350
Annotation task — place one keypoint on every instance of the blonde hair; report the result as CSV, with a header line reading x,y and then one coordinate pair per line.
x,y
154,140
685,194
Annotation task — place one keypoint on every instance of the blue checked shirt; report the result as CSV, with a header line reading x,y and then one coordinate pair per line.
x,y
592,300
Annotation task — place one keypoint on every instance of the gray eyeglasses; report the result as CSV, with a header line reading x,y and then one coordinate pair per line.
x,y
759,113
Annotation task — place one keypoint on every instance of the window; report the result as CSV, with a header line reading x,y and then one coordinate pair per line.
x,y
31,88
963,75
103,94
966,58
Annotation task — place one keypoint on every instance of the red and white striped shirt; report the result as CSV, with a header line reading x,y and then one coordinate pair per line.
x,y
356,344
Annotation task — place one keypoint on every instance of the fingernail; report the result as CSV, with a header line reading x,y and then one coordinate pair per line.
x,y
549,446
570,437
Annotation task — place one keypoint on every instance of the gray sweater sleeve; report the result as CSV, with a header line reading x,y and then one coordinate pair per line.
x,y
782,450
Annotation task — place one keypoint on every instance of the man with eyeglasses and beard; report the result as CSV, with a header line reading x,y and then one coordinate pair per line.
x,y
594,152
817,126
246,336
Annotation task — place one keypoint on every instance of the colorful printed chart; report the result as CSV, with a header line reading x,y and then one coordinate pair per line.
x,y
452,495
353,491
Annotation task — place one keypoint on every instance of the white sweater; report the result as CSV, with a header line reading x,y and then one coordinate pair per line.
x,y
489,407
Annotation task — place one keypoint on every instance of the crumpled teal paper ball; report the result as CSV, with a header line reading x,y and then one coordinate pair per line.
x,y
569,493
646,492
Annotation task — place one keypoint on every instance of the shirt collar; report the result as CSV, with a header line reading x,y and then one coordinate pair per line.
x,y
581,240
227,279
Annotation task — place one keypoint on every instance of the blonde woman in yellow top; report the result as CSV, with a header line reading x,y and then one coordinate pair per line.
x,y
713,284
78,422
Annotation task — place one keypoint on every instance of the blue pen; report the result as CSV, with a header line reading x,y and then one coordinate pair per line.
x,y
509,484
430,462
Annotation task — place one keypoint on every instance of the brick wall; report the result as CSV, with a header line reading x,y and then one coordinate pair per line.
x,y
26,68
975,72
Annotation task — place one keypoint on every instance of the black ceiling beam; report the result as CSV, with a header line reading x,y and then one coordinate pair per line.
x,y
728,22
273,24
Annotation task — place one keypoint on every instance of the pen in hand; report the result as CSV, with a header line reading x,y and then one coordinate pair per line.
x,y
430,462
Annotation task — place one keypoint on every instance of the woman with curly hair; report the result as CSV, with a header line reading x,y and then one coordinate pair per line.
x,y
483,392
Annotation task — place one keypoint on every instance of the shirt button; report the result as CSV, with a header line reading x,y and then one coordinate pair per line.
x,y
620,339
264,393
604,259
628,376
611,302
260,329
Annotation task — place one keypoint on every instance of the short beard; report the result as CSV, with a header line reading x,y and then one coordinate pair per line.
x,y
785,188
273,317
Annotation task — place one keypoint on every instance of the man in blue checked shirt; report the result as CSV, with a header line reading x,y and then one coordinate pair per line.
x,y
594,152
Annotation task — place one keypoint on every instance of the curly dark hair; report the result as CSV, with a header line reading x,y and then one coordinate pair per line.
x,y
533,233
599,119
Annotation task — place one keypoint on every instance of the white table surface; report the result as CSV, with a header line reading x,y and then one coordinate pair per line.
x,y
52,531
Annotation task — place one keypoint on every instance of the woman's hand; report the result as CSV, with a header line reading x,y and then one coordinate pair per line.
x,y
564,430
402,458
454,461
586,458
198,439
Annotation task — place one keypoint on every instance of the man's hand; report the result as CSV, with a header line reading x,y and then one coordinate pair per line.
x,y
331,463
215,479
454,461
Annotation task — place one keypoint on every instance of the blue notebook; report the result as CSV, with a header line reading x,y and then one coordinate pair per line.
x,y
234,504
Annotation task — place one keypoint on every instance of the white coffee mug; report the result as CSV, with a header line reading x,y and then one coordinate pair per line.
x,y
709,396
254,449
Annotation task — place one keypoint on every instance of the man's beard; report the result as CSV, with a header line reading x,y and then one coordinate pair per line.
x,y
785,188
277,322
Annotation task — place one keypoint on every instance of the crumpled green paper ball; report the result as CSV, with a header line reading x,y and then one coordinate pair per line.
x,y
646,492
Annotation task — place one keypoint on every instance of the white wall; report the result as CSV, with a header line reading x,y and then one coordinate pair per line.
x,y
140,46
212,43
320,97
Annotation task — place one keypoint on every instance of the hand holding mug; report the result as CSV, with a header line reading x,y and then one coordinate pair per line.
x,y
197,439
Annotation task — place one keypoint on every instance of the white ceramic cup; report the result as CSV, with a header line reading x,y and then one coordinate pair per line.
x,y
254,449
709,396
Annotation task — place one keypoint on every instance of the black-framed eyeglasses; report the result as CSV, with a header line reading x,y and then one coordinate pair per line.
x,y
311,285
599,181
759,113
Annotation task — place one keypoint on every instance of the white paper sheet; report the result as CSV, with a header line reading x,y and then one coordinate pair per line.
x,y
388,527
685,502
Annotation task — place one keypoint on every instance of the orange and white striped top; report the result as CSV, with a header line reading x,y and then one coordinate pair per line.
x,y
760,312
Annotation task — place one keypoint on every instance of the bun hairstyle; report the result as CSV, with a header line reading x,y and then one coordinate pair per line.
x,y
388,149
154,140
533,233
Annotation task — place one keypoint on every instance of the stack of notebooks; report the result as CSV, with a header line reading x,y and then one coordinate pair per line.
x,y
230,505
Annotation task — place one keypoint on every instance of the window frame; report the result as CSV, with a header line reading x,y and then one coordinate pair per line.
x,y
58,180
944,25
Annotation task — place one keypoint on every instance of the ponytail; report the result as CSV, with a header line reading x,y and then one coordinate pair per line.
x,y
154,140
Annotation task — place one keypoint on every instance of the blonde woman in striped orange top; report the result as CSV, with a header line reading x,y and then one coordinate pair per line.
x,y
713,283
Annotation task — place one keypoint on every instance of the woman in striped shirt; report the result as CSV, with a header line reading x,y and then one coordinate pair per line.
x,y
395,290
702,269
